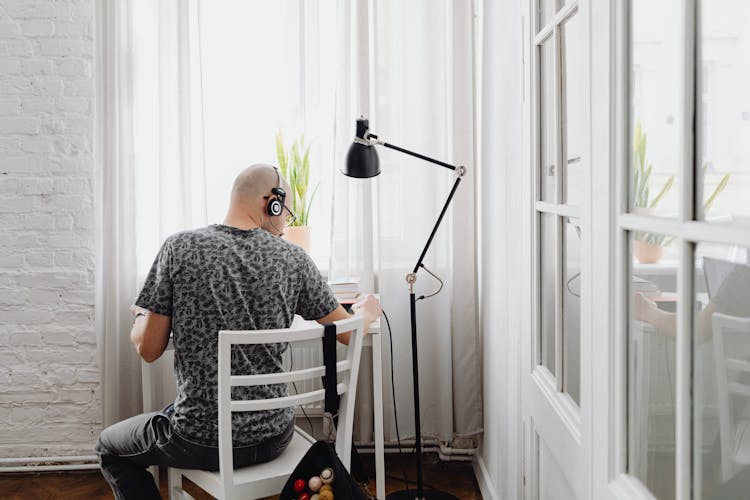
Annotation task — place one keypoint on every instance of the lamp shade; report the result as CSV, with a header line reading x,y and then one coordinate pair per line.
x,y
361,161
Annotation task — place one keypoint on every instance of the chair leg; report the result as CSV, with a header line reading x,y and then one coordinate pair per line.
x,y
174,486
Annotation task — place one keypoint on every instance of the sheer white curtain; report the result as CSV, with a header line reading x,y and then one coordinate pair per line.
x,y
209,84
152,179
418,93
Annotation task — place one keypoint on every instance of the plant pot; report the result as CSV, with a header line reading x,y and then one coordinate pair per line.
x,y
647,253
299,235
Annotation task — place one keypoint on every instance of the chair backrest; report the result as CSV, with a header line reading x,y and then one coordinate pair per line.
x,y
347,373
731,340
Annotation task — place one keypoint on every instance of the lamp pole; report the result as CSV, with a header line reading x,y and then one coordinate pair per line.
x,y
362,162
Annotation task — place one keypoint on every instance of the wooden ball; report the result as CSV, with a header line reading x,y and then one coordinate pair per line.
x,y
326,487
315,497
326,495
327,475
303,496
314,483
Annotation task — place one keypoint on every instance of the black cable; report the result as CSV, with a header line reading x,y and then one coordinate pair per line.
x,y
434,276
291,367
393,394
567,285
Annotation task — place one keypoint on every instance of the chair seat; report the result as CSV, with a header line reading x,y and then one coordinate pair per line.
x,y
262,480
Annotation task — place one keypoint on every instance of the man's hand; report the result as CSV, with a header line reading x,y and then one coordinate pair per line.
x,y
369,308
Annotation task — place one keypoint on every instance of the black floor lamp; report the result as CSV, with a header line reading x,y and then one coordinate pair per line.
x,y
362,162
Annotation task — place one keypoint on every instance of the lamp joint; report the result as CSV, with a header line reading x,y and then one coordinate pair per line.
x,y
411,278
460,171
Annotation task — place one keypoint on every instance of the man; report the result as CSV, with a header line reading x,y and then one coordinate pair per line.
x,y
239,275
732,298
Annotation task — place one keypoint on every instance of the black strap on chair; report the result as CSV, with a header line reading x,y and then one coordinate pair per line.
x,y
332,398
330,380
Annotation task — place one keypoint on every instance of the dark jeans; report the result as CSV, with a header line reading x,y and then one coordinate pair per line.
x,y
127,448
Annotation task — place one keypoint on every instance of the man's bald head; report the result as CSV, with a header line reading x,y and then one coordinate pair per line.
x,y
254,183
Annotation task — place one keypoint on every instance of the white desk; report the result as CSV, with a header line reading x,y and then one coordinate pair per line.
x,y
152,401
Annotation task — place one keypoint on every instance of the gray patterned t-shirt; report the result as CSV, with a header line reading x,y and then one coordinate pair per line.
x,y
224,278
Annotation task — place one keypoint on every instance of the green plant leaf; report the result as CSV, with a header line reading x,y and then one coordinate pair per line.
x,y
309,203
296,164
666,187
717,190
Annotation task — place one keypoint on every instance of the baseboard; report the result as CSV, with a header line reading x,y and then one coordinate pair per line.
x,y
484,480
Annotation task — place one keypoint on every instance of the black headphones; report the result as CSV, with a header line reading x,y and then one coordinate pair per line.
x,y
275,205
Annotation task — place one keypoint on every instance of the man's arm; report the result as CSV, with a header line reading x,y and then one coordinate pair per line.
x,y
666,322
369,308
150,333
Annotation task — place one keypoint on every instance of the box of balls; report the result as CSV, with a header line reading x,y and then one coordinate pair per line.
x,y
318,487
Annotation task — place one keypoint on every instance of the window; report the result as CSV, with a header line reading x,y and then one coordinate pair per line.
x,y
686,232
214,82
560,194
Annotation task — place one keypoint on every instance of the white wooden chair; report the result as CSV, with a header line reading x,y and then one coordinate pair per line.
x,y
731,339
268,478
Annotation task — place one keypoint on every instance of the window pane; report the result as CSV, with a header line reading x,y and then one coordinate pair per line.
x,y
547,120
572,312
547,290
655,52
572,110
723,176
721,413
651,380
546,11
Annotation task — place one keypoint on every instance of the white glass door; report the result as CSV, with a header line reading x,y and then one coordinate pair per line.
x,y
555,392
682,234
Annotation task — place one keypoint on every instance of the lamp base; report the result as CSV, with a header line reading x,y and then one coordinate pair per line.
x,y
428,495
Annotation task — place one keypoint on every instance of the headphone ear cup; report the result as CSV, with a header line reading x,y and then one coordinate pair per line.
x,y
274,207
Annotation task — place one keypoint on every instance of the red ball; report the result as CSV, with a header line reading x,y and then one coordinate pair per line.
x,y
299,485
304,496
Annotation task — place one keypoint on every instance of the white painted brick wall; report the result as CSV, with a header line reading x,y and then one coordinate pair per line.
x,y
50,400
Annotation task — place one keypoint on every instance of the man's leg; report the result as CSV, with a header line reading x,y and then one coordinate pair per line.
x,y
127,448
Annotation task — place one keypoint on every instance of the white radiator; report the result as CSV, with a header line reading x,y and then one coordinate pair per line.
x,y
308,354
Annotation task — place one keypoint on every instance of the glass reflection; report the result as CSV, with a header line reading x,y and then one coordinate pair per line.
x,y
573,180
547,121
723,175
547,290
721,413
655,76
651,381
572,310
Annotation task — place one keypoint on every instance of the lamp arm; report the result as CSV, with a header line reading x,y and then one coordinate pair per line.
x,y
437,224
410,153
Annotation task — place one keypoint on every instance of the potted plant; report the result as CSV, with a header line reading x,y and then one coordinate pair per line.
x,y
648,247
294,163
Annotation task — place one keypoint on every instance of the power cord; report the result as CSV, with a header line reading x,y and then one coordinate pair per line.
x,y
405,479
393,394
421,297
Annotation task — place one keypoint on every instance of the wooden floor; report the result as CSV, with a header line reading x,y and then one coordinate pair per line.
x,y
453,477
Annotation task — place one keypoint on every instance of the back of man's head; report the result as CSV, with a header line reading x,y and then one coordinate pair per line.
x,y
253,183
